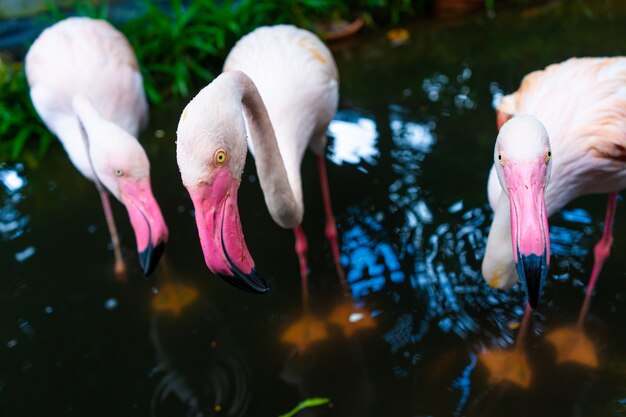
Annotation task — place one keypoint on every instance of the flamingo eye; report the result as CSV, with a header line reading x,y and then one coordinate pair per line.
x,y
220,156
500,159
548,156
119,172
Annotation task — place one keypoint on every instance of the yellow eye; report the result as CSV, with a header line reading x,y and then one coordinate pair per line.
x,y
548,156
220,156
500,159
119,172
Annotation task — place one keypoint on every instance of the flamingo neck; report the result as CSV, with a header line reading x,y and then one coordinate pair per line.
x,y
68,129
282,192
498,264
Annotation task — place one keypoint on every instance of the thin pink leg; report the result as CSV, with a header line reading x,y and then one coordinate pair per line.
x,y
302,248
331,227
601,251
120,266
523,328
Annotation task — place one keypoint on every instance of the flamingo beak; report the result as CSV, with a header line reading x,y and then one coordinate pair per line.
x,y
221,236
147,221
529,223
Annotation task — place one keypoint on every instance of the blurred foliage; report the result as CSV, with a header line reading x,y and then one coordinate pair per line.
x,y
18,120
182,46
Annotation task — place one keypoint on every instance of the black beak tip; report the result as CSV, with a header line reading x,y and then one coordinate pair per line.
x,y
533,301
251,282
532,270
149,257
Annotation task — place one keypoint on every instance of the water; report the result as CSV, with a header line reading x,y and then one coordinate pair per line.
x,y
408,177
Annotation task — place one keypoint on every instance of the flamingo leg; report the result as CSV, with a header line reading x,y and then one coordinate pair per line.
x,y
601,251
120,266
302,248
330,229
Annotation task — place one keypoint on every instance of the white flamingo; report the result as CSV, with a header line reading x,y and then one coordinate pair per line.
x,y
562,134
86,86
281,84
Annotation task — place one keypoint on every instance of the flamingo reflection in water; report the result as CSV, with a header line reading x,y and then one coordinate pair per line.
x,y
571,343
281,86
86,86
202,370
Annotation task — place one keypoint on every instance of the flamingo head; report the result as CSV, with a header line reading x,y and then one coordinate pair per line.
x,y
523,161
211,152
122,166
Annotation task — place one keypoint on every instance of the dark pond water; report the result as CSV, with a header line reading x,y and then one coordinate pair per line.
x,y
413,147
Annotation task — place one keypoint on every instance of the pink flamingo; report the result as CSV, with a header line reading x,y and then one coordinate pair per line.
x,y
562,135
86,86
281,86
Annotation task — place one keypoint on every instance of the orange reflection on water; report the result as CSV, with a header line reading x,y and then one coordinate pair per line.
x,y
351,318
174,298
572,345
510,365
507,366
305,332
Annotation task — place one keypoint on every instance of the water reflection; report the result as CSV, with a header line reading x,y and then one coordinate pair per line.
x,y
443,260
338,366
437,254
511,364
201,369
573,345
13,223
355,137
453,93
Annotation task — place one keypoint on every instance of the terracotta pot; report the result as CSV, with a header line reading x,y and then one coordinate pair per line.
x,y
340,30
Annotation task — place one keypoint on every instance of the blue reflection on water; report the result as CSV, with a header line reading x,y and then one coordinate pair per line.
x,y
464,384
421,267
12,222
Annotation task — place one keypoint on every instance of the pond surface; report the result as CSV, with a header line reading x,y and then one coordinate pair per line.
x,y
408,169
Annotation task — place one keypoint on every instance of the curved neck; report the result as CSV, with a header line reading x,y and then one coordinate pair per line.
x,y
498,266
72,130
280,198
88,119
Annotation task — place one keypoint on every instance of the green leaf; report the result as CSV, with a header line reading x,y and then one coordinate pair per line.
x,y
19,141
308,403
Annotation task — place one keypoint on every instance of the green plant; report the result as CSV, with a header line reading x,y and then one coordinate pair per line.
x,y
308,403
179,46
19,123
183,46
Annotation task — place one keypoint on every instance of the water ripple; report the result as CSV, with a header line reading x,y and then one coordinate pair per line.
x,y
422,267
355,139
13,223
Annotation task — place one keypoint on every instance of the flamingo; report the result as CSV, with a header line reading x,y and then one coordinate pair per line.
x,y
562,134
284,81
86,87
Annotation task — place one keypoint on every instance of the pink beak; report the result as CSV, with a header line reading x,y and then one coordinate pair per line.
x,y
525,182
145,216
221,237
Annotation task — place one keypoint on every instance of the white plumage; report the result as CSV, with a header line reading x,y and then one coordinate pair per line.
x,y
297,78
283,81
582,104
83,74
87,57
